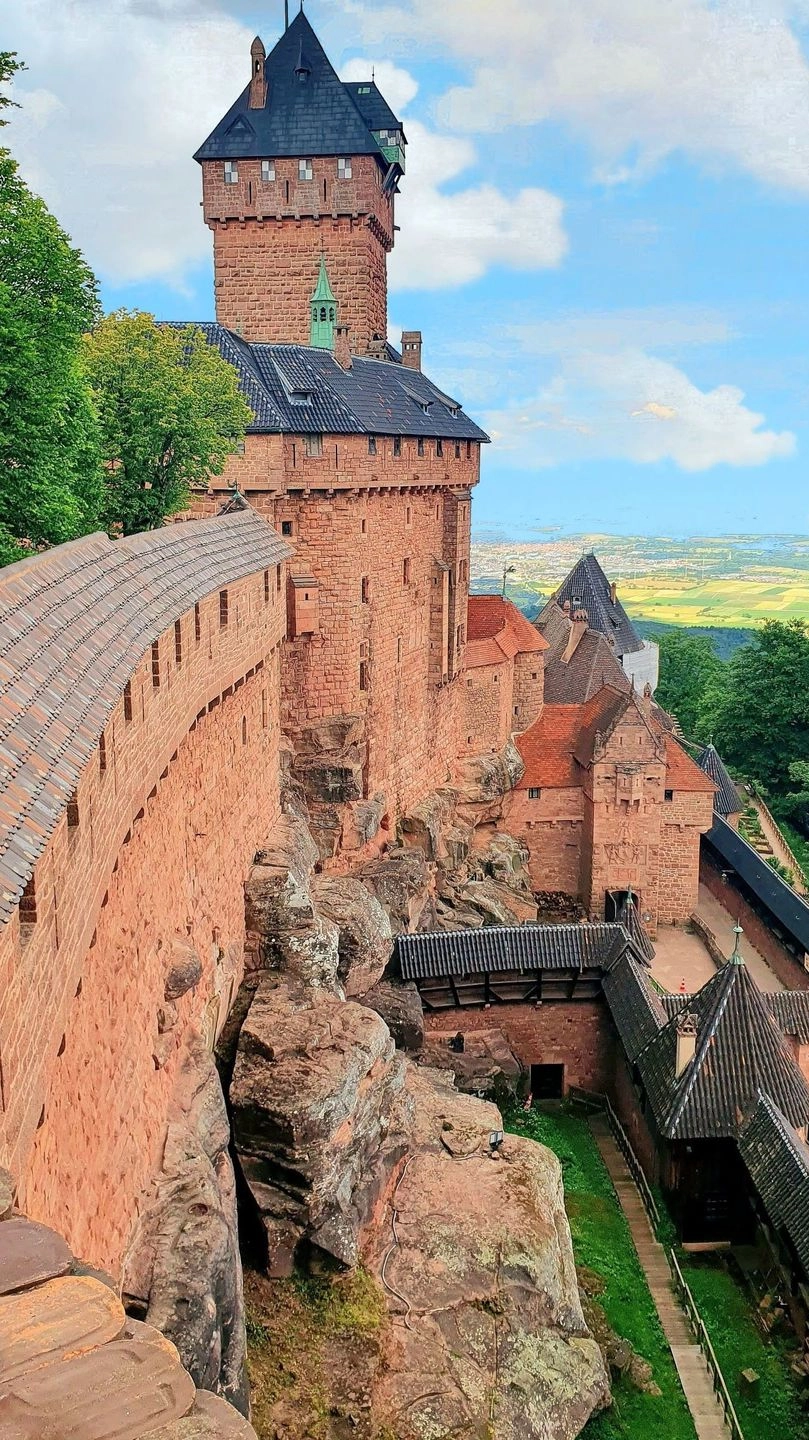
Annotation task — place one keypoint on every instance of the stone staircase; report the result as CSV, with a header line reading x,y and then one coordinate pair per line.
x,y
73,1366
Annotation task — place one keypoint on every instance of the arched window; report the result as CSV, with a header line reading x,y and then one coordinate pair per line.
x,y
322,312
331,314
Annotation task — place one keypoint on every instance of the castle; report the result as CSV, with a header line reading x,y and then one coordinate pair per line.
x,y
279,731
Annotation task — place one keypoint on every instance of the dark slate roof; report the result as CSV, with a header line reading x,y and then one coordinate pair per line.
x,y
786,907
791,1010
726,800
316,115
372,105
592,665
634,1004
299,390
510,947
74,624
740,1053
555,627
631,920
778,1164
588,587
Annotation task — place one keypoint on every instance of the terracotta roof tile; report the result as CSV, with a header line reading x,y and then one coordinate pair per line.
x,y
683,773
547,749
493,621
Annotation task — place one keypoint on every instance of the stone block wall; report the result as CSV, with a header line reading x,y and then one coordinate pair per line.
x,y
550,826
529,691
577,1034
145,866
487,708
782,962
627,1107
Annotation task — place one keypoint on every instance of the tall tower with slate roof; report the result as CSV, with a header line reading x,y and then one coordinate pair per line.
x,y
303,169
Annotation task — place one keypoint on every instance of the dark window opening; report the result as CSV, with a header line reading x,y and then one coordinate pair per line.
x,y
128,701
223,609
28,903
364,590
73,811
266,587
363,674
405,572
371,444
547,1082
534,792
264,709
156,664
286,527
197,623
178,642
278,579
397,445
420,445
668,794
244,729
469,449
457,449
102,751
439,448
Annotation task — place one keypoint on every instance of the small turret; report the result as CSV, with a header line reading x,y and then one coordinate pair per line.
x,y
258,82
324,311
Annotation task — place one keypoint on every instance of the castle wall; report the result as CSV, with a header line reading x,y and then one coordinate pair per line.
x,y
529,691
575,1033
487,708
684,818
782,962
146,862
269,238
550,825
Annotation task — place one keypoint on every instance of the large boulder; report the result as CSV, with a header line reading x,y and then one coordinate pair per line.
x,y
280,911
486,1066
312,1094
479,1272
183,1265
399,1004
498,903
482,782
365,940
400,880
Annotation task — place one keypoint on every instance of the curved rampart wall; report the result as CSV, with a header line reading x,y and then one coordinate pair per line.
x,y
146,704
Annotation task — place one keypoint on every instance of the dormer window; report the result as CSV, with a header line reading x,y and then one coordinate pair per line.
x,y
305,171
268,171
364,90
231,172
343,169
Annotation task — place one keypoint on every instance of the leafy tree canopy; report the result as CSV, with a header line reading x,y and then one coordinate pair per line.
x,y
50,479
170,412
689,668
759,719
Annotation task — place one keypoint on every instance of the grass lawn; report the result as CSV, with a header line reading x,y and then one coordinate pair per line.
x,y
775,1410
602,1243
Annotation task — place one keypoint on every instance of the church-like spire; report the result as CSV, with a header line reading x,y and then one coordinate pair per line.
x,y
324,311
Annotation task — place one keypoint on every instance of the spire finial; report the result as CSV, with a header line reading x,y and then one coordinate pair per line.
x,y
737,958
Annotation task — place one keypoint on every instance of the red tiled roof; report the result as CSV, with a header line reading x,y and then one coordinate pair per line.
x,y
496,631
547,749
683,773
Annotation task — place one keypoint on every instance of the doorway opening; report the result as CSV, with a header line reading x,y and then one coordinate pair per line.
x,y
615,902
547,1082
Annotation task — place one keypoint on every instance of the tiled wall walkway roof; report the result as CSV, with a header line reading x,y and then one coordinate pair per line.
x,y
75,623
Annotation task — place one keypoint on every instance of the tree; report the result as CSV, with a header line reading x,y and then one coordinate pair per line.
x,y
689,669
50,476
760,719
170,412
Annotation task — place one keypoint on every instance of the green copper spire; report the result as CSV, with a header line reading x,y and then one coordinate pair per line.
x,y
737,958
324,312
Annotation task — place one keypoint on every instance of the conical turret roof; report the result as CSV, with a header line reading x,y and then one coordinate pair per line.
x,y
726,799
588,588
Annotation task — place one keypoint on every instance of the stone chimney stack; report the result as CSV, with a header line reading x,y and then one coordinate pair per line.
x,y
411,349
342,346
258,83
686,1041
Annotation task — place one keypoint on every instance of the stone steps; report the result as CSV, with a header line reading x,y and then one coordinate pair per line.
x,y
74,1367
695,1378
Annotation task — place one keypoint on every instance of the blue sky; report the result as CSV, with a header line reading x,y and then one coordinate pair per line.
x,y
603,223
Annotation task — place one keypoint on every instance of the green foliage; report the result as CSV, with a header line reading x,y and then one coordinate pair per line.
x,y
602,1243
726,1309
689,668
759,718
50,476
10,65
170,412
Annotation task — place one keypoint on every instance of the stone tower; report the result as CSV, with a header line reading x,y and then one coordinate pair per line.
x,y
301,173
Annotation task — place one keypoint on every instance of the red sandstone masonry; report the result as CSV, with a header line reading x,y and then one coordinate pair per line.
x,y
155,854
783,964
576,1034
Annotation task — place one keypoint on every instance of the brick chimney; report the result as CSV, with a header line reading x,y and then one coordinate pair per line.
x,y
578,630
411,349
686,1041
258,84
342,346
613,592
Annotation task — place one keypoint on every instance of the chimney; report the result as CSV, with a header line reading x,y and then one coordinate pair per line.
x,y
613,592
578,631
258,84
411,349
342,346
686,1041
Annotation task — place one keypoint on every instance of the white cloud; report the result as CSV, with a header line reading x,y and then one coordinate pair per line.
x,y
398,86
633,405
724,80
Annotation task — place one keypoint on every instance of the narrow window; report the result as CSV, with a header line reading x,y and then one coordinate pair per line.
x,y
178,642
469,449
231,172
28,903
420,445
223,609
371,444
128,701
278,579
439,448
516,709
313,446
398,650
397,445
534,792
286,187
102,751
406,572
305,171
668,794
197,623
73,811
268,171
459,643
344,169
244,729
363,526
457,449
266,587
363,674
156,664
408,515
325,192
264,709
364,589
286,528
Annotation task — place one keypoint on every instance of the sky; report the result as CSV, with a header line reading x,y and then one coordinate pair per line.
x,y
603,223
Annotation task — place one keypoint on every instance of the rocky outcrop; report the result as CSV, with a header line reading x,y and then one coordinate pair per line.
x,y
486,1066
482,782
488,1335
312,1095
290,934
183,1269
401,882
365,940
400,1006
